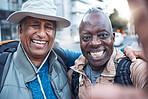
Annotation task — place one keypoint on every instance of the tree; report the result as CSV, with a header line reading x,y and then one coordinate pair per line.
x,y
118,22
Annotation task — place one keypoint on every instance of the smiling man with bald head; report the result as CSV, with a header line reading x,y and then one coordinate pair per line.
x,y
97,45
96,38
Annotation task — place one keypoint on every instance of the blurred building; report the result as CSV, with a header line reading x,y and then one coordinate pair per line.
x,y
64,10
79,8
8,30
71,9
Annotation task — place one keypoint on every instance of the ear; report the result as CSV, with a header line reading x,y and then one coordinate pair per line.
x,y
113,36
19,30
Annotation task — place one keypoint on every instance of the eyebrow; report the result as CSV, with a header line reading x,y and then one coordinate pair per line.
x,y
102,30
39,22
35,22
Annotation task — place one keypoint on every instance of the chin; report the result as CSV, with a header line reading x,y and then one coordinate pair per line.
x,y
97,63
37,53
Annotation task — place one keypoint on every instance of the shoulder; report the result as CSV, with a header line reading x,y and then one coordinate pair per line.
x,y
120,54
65,51
138,65
139,73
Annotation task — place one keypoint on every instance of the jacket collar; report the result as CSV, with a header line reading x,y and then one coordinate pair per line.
x,y
110,69
25,66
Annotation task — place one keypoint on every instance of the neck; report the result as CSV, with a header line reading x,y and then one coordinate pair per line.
x,y
36,62
97,68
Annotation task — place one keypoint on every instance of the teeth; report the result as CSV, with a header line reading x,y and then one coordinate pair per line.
x,y
39,42
96,54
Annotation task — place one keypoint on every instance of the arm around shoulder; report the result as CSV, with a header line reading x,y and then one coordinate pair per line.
x,y
139,75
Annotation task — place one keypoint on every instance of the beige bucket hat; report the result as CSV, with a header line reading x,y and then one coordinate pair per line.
x,y
43,9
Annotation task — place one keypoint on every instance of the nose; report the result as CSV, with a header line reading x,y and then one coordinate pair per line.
x,y
95,42
41,33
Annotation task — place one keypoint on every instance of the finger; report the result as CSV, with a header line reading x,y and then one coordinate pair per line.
x,y
129,52
131,55
133,59
140,54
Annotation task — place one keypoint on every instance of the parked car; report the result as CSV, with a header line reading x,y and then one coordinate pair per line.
x,y
118,39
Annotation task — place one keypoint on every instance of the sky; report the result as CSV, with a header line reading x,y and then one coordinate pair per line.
x,y
120,5
109,5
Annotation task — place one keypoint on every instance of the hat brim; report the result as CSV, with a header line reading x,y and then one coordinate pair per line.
x,y
17,16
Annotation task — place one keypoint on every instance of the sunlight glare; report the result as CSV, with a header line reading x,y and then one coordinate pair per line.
x,y
121,6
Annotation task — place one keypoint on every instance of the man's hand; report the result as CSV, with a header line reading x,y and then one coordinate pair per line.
x,y
133,53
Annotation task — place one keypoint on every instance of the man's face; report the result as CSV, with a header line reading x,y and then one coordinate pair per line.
x,y
37,37
96,39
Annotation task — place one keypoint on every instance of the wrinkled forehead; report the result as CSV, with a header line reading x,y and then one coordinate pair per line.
x,y
96,19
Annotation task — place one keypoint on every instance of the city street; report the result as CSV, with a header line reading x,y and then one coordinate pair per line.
x,y
130,41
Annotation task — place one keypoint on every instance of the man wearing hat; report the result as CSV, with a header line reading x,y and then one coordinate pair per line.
x,y
34,71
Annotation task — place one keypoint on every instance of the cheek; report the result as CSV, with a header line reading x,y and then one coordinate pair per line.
x,y
84,47
83,44
109,46
25,41
109,42
25,37
51,37
26,32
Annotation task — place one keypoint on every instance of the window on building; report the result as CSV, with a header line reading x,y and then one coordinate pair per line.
x,y
8,31
24,0
13,5
4,4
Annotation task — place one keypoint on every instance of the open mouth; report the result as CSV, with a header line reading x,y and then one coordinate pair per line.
x,y
39,42
96,54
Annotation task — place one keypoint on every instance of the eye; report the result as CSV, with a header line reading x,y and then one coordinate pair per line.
x,y
34,25
48,27
86,38
103,35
